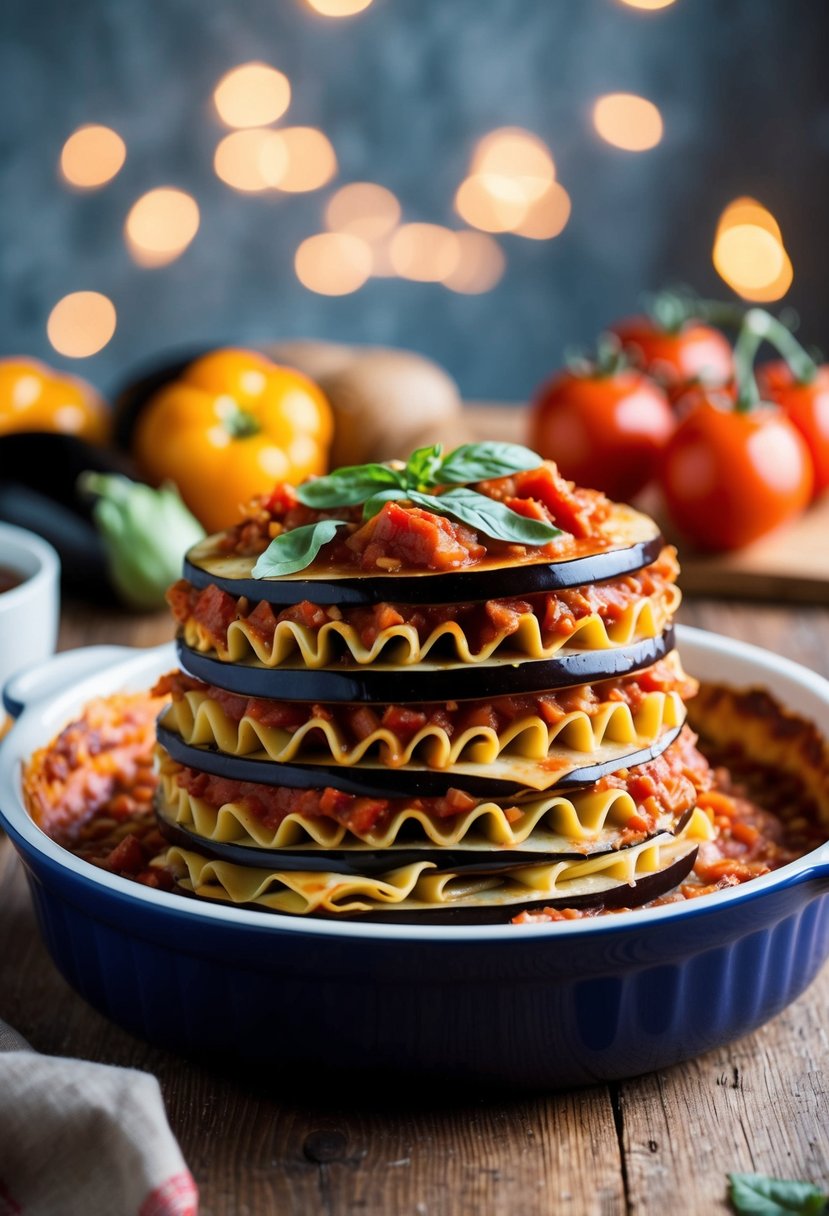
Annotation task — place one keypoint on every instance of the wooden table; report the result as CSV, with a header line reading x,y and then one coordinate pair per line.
x,y
662,1142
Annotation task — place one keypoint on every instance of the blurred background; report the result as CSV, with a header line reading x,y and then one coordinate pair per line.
x,y
487,183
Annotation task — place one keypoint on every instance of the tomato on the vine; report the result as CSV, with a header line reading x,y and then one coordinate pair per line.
x,y
677,355
604,426
806,402
729,475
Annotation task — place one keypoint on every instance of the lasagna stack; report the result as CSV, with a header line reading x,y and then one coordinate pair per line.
x,y
462,705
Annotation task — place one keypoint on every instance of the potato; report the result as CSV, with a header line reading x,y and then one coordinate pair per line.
x,y
386,402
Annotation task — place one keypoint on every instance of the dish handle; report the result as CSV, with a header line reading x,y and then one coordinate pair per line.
x,y
59,671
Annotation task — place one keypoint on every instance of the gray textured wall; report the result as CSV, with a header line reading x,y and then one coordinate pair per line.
x,y
403,91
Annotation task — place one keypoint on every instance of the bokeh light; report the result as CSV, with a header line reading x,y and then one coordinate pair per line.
x,y
160,226
252,95
427,253
498,209
92,156
364,209
81,324
547,216
239,159
296,159
511,157
648,4
480,264
339,8
749,253
333,263
627,121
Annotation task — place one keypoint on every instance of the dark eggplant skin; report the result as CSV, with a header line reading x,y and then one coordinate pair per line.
x,y
447,682
38,475
464,586
361,859
383,781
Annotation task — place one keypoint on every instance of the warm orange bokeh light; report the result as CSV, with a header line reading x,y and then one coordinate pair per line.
x,y
648,4
92,156
747,210
364,209
517,157
81,324
333,263
426,253
238,159
547,216
339,8
160,226
252,95
749,253
627,121
492,210
480,265
296,159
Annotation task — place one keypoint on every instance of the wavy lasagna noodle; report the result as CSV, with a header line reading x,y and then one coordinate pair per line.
x,y
598,616
632,710
619,809
421,885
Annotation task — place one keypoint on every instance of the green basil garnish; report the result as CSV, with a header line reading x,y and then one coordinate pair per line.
x,y
487,516
764,1196
347,486
482,461
427,468
294,550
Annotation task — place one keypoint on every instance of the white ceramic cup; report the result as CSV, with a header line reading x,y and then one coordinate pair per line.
x,y
29,611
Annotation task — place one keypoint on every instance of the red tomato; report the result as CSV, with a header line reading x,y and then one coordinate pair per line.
x,y
677,358
807,405
603,431
729,477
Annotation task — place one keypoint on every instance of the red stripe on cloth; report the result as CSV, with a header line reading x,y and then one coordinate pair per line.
x,y
8,1206
178,1196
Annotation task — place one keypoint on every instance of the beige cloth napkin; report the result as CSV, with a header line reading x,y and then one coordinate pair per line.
x,y
82,1139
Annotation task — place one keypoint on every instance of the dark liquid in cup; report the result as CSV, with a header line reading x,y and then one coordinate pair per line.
x,y
9,578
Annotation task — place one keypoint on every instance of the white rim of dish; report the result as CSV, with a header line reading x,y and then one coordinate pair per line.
x,y
46,556
43,718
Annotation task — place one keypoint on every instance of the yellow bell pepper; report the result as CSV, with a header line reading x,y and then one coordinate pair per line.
x,y
34,397
229,427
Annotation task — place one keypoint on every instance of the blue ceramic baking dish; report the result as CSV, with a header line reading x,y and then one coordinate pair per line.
x,y
533,1006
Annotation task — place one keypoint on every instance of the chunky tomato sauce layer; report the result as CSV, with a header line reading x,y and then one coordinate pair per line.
x,y
408,538
668,784
558,613
357,722
763,817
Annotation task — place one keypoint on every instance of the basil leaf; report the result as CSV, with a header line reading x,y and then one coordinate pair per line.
x,y
347,486
377,501
480,461
422,466
296,549
487,516
758,1195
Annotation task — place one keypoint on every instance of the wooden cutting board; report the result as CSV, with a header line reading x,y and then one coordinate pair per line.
x,y
790,564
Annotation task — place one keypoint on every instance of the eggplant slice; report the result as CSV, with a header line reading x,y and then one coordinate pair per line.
x,y
637,542
421,682
381,781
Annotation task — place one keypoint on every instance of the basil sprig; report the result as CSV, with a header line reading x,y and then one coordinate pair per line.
x,y
294,550
427,469
755,1193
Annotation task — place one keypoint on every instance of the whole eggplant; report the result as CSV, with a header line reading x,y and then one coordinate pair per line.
x,y
38,490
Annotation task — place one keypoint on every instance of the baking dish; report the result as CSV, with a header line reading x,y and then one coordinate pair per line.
x,y
531,1006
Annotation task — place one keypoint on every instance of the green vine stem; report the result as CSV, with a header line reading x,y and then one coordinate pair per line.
x,y
758,327
608,359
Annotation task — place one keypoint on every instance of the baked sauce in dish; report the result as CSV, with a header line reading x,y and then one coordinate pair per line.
x,y
91,790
